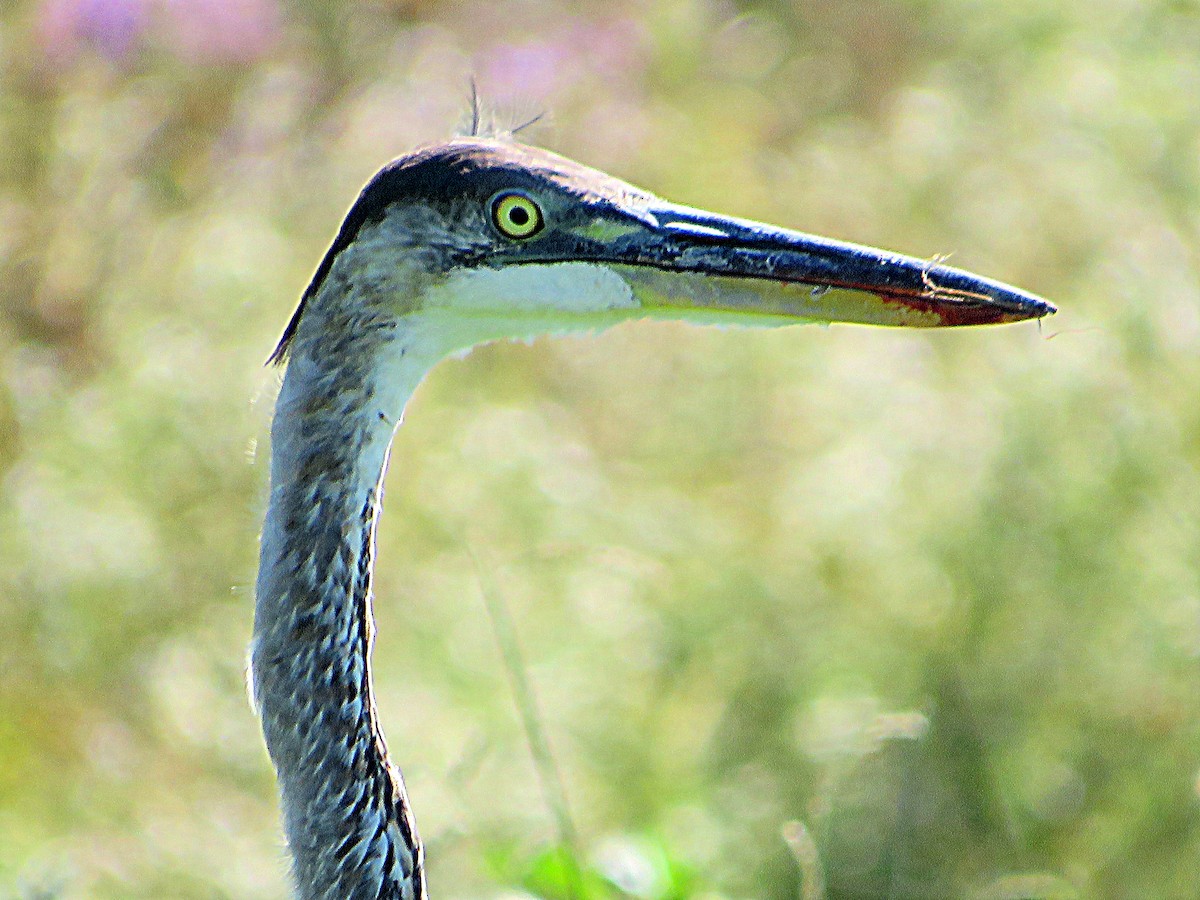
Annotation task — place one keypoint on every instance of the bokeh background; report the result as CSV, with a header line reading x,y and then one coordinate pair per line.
x,y
927,605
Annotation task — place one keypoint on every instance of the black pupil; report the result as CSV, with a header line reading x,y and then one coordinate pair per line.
x,y
518,215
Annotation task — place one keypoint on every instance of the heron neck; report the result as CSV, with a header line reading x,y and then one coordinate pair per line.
x,y
345,809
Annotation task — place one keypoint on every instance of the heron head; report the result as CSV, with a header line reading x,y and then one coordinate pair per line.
x,y
483,239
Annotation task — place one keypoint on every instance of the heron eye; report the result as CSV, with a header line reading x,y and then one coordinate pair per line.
x,y
516,215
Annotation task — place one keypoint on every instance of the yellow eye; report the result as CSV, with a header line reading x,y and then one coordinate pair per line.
x,y
516,216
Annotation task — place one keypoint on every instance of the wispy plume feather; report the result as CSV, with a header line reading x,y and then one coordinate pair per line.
x,y
484,122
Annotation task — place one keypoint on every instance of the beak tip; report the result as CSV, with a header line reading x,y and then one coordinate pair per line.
x,y
1036,308
962,298
1001,303
993,310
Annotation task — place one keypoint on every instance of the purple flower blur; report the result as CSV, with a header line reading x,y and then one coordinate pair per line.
x,y
203,32
110,27
221,31
575,51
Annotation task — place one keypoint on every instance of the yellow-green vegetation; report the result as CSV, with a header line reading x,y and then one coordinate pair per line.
x,y
925,604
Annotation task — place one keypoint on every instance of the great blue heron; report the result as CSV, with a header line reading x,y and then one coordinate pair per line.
x,y
450,246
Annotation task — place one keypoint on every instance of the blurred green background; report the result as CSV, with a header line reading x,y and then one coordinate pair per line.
x,y
928,603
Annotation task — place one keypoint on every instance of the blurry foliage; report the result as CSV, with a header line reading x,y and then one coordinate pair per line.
x,y
934,596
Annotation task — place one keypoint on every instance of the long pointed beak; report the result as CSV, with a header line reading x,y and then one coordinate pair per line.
x,y
690,260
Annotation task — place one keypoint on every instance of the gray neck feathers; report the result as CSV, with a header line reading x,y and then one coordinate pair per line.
x,y
354,364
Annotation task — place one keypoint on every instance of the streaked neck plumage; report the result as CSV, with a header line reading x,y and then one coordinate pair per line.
x,y
354,365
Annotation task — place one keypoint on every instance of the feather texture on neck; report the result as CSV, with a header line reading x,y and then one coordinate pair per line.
x,y
346,813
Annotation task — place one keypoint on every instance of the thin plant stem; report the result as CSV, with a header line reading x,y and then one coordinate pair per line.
x,y
808,858
549,776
